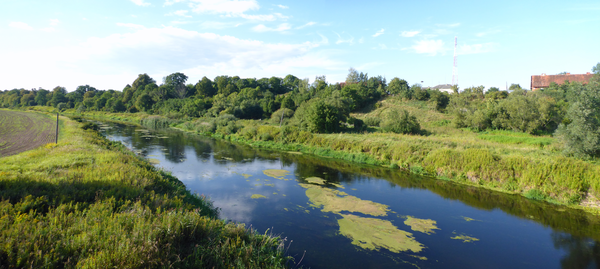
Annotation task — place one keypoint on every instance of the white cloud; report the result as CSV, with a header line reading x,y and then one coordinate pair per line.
x,y
262,28
361,40
310,23
270,17
115,60
409,33
380,32
20,25
219,25
283,7
431,47
54,22
182,13
140,3
171,2
49,29
223,6
130,25
341,40
476,48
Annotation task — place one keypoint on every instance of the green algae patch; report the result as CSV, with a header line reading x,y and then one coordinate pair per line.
x,y
419,257
258,196
270,185
469,219
337,201
275,193
276,173
421,225
465,238
153,161
315,180
294,152
257,184
373,234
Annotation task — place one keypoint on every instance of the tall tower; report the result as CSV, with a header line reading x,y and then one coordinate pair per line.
x,y
454,68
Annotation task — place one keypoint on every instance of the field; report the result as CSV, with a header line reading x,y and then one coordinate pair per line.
x,y
21,131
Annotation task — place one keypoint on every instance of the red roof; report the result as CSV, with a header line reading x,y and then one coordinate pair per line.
x,y
544,81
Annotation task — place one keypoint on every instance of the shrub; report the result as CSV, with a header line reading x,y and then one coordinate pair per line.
x,y
401,123
371,121
90,126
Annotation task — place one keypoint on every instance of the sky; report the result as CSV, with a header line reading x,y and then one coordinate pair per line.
x,y
106,44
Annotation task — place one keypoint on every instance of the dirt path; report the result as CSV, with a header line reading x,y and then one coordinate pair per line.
x,y
22,131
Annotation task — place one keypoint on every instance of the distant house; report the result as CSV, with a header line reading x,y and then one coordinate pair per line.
x,y
543,81
443,88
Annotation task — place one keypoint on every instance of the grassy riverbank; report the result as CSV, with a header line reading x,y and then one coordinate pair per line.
x,y
88,202
505,161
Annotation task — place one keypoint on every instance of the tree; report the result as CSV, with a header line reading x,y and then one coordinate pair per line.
x,y
41,97
397,86
58,96
176,82
317,116
141,82
581,131
353,76
144,102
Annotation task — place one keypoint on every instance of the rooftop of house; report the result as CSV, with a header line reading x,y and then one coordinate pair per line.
x,y
542,81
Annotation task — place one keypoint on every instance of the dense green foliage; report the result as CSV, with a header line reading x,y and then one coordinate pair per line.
x,y
88,202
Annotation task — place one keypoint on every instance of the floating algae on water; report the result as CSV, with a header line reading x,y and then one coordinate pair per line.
x,y
469,219
464,238
258,196
257,184
337,201
153,161
421,225
373,234
320,181
246,175
276,173
315,180
270,185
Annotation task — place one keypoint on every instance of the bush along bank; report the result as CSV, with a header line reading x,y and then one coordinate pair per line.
x,y
552,177
88,202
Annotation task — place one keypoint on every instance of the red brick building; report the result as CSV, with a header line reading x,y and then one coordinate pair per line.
x,y
543,81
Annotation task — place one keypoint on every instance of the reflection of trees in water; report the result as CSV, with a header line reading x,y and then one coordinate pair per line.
x,y
581,252
576,222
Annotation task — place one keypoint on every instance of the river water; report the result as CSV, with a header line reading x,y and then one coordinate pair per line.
x,y
335,214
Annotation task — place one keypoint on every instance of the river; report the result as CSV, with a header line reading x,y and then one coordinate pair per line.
x,y
336,214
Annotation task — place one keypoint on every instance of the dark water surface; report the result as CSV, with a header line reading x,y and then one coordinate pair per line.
x,y
345,223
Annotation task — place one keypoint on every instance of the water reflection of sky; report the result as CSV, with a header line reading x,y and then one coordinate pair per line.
x,y
220,171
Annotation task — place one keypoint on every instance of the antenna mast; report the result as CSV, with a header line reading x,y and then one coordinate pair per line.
x,y
454,68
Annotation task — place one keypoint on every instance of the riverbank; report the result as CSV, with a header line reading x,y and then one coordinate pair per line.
x,y
537,171
90,202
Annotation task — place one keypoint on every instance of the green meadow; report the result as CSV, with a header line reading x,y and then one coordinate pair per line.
x,y
87,202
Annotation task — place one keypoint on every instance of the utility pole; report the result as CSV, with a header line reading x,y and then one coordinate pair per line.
x,y
455,68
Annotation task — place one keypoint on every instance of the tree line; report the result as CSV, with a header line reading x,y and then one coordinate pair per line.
x,y
570,110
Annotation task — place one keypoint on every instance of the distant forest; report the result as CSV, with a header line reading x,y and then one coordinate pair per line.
x,y
571,108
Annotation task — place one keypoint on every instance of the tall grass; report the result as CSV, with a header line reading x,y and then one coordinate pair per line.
x,y
88,202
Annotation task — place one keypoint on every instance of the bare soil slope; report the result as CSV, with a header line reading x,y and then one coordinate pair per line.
x,y
22,131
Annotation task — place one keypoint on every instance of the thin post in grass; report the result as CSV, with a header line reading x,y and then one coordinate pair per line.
x,y
56,127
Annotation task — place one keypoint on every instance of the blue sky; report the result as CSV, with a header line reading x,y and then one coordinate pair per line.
x,y
106,44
